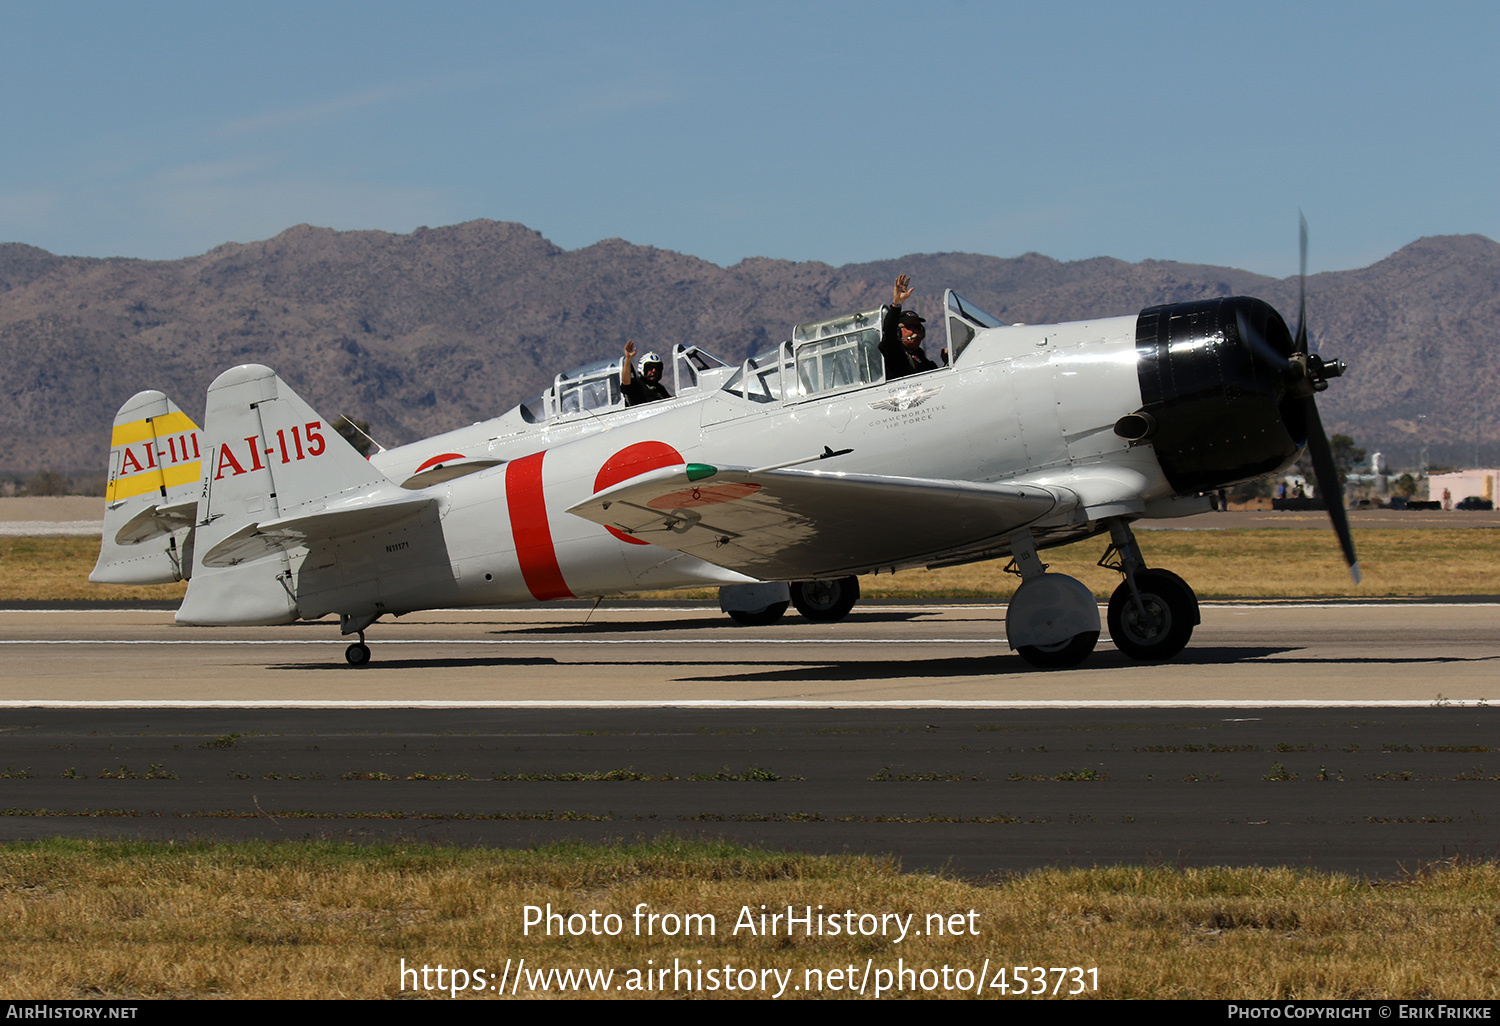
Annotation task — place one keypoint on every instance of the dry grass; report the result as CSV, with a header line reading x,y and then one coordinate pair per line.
x,y
1219,564
1270,563
121,920
57,570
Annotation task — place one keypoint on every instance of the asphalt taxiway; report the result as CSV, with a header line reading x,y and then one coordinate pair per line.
x,y
1350,737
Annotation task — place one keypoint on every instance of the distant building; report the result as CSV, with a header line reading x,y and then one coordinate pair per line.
x,y
1453,488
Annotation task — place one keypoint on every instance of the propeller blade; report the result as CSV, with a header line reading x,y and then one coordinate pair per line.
x,y
1329,489
1299,344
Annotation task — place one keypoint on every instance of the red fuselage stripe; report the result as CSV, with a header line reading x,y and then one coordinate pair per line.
x,y
528,524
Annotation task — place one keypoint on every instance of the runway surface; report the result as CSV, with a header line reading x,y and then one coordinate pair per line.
x,y
1355,738
625,655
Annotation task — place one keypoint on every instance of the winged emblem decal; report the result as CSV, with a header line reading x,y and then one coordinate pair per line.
x,y
906,398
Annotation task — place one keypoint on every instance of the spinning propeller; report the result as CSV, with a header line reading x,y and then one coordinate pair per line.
x,y
1308,374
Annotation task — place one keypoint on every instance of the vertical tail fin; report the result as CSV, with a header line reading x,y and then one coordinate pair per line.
x,y
275,476
155,462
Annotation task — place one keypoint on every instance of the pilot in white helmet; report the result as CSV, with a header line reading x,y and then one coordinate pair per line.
x,y
648,387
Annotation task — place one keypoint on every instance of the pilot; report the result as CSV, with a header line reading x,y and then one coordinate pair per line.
x,y
648,387
902,334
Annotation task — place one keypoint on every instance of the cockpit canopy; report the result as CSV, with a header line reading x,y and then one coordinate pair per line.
x,y
595,387
964,321
842,353
838,353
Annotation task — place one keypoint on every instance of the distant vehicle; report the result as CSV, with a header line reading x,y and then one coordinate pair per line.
x,y
1474,502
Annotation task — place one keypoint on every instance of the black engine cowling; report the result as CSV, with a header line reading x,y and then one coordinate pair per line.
x,y
1213,377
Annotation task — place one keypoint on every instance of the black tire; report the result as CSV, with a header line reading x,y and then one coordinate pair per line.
x,y
758,617
1164,630
357,654
825,601
1061,656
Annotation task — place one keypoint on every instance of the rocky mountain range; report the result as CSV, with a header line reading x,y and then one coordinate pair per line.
x,y
424,332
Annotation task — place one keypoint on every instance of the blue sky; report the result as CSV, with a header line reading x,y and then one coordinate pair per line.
x,y
809,131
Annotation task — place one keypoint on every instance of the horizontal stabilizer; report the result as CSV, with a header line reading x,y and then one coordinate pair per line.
x,y
258,539
789,524
156,520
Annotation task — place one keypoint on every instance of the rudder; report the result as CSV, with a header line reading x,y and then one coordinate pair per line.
x,y
155,470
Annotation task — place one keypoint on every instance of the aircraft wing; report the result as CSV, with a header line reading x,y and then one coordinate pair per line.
x,y
790,524
266,536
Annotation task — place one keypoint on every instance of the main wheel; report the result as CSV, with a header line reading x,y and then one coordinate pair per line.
x,y
758,617
825,601
357,654
1061,655
1163,628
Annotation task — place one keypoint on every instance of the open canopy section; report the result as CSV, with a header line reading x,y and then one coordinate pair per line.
x,y
823,356
595,387
964,320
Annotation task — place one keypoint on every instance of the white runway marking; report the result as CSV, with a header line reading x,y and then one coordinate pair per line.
x,y
936,606
51,529
382,642
752,703
1251,656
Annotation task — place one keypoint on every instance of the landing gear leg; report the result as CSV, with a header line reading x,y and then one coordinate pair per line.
x,y
1052,621
1153,612
357,654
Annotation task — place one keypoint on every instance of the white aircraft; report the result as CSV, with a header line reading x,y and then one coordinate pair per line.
x,y
777,482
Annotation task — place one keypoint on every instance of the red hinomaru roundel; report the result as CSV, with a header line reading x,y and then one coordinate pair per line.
x,y
632,461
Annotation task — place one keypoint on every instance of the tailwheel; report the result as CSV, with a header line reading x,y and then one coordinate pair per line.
x,y
1062,655
758,617
1159,626
826,601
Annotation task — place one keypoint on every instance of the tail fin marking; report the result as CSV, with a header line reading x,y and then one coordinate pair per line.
x,y
278,477
155,465
155,453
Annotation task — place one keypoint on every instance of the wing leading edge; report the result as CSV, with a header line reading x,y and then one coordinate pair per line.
x,y
791,524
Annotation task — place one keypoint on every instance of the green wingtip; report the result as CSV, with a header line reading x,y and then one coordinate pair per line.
x,y
698,471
